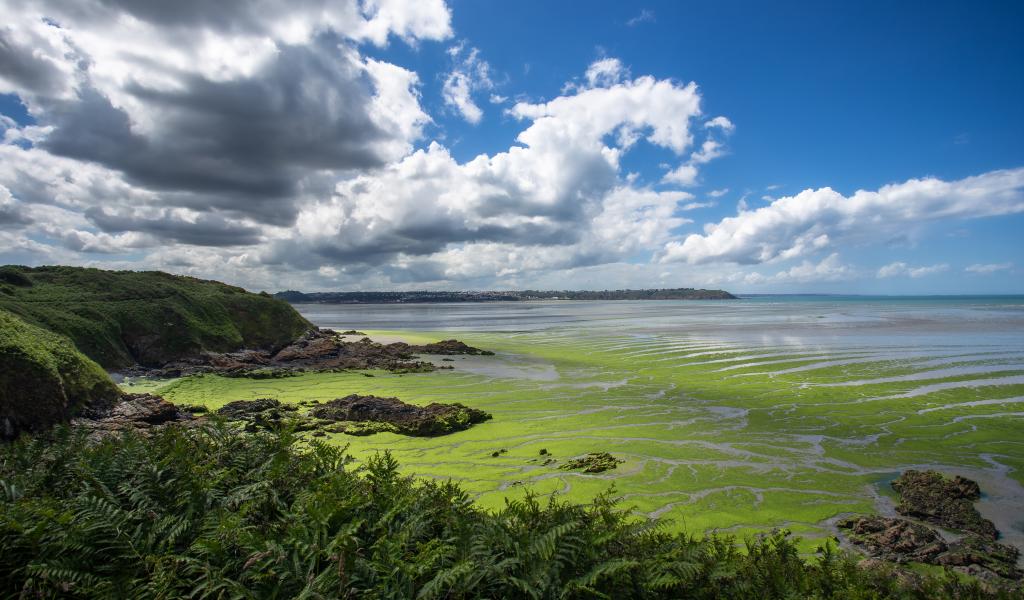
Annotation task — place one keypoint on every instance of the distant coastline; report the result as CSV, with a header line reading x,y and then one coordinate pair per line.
x,y
427,297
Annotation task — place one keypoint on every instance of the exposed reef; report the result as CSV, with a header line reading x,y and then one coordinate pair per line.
x,y
317,350
430,420
356,415
949,503
142,413
595,462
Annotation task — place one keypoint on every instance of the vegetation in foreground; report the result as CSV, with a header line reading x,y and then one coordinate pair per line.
x,y
122,318
209,512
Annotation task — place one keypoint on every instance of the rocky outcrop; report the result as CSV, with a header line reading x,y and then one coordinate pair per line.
x,y
318,350
408,419
947,502
356,415
595,462
142,413
894,539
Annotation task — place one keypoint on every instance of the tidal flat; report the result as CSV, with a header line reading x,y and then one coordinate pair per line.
x,y
732,416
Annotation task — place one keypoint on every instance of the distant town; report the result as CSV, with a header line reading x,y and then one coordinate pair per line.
x,y
420,297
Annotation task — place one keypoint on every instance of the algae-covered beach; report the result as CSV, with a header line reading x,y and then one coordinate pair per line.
x,y
735,416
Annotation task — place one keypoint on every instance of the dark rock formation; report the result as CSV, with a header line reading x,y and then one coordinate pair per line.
x,y
595,462
976,551
318,350
946,502
431,420
138,412
894,539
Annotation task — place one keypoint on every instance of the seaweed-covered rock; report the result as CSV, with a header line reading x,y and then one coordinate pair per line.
x,y
449,347
139,412
240,409
595,462
265,413
976,550
893,539
431,420
947,502
316,350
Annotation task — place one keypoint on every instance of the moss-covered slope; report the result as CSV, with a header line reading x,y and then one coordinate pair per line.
x,y
119,318
43,378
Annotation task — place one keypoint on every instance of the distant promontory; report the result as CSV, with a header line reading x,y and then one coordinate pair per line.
x,y
422,297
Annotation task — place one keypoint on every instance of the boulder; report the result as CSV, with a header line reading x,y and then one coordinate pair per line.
x,y
408,419
946,502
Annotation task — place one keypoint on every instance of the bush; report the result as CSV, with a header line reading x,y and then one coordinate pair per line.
x,y
208,512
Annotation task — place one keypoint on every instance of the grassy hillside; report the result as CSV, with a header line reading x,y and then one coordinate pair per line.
x,y
43,378
119,318
210,513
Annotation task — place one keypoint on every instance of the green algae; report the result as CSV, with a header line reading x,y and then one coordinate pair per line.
x,y
739,450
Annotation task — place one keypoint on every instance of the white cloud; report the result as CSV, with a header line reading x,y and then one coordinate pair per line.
x,y
718,193
605,72
469,74
828,269
558,199
814,219
987,269
645,16
684,175
902,269
720,123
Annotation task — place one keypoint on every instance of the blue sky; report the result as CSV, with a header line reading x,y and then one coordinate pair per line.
x,y
280,188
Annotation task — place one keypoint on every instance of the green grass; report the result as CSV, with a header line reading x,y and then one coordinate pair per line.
x,y
119,318
44,379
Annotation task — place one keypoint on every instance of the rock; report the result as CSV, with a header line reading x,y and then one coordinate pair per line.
x,y
449,347
241,409
595,462
352,332
894,539
316,350
932,497
974,550
139,412
433,419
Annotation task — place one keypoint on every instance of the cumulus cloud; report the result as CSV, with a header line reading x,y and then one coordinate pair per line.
x,y
469,74
902,269
685,174
556,199
229,106
813,220
988,269
830,268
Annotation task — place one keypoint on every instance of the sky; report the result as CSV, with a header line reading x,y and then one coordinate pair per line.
x,y
862,147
